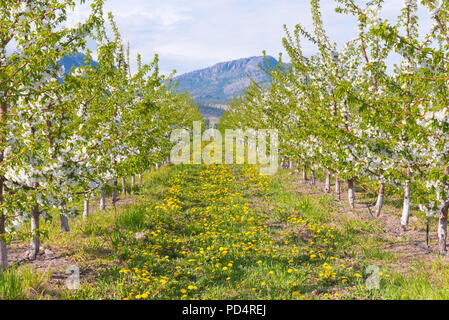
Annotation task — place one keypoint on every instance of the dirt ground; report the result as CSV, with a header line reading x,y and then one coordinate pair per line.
x,y
54,259
407,245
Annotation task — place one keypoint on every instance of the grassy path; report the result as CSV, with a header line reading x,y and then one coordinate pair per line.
x,y
225,232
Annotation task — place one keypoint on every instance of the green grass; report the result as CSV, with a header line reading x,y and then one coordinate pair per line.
x,y
280,250
225,232
22,284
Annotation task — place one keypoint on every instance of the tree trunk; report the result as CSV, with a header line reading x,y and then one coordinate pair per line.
x,y
63,219
64,223
123,185
3,248
86,205
290,164
442,229
140,178
133,181
102,200
380,199
351,194
337,188
115,192
313,176
442,223
35,242
327,187
406,207
304,174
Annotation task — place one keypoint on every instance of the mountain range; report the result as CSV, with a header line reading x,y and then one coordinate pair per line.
x,y
212,87
75,60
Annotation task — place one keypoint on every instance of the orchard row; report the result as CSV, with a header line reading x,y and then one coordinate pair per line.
x,y
346,110
70,132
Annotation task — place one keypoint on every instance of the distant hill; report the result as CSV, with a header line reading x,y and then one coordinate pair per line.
x,y
213,87
74,60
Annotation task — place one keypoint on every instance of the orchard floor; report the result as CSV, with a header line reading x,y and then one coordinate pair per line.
x,y
225,232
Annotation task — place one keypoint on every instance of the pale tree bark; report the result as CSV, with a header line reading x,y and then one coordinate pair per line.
x,y
3,248
351,194
63,220
312,176
290,164
123,185
442,228
115,191
86,205
133,181
442,223
304,174
337,188
380,199
140,178
327,187
64,223
102,199
35,241
406,207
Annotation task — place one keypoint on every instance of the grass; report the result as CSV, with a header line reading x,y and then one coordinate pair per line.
x,y
225,232
228,233
22,284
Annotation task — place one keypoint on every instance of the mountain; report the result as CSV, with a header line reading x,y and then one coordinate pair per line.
x,y
213,87
74,60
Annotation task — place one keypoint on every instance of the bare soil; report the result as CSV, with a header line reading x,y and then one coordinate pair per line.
x,y
56,261
409,245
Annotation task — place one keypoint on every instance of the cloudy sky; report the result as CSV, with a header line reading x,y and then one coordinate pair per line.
x,y
192,34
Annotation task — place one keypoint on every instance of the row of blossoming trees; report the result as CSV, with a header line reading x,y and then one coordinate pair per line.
x,y
64,133
345,111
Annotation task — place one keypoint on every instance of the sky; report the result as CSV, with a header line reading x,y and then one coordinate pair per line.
x,y
194,34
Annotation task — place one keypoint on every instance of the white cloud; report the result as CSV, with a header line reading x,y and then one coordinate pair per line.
x,y
190,34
